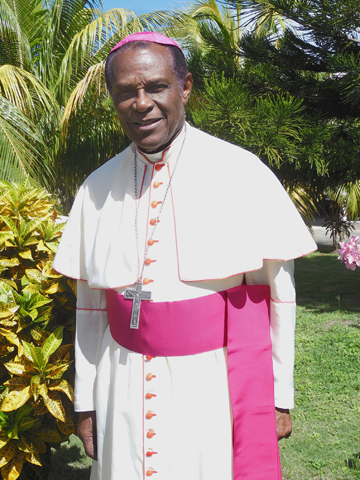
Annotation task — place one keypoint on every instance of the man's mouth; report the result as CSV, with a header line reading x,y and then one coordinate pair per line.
x,y
147,124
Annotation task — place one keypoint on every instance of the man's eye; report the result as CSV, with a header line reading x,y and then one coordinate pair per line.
x,y
156,88
124,93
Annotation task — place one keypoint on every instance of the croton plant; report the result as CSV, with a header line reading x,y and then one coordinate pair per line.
x,y
36,333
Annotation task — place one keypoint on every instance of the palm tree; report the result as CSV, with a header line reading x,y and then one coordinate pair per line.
x,y
220,25
262,16
227,101
207,25
56,121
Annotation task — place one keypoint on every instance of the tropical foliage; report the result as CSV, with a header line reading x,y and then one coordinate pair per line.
x,y
57,123
283,77
36,315
315,57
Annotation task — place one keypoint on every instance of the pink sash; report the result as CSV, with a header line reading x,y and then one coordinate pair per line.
x,y
238,319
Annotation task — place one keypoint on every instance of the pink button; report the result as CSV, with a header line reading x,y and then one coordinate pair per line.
x,y
150,472
154,204
151,242
150,395
150,453
149,415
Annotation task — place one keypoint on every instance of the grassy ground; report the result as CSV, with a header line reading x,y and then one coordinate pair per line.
x,y
69,462
325,444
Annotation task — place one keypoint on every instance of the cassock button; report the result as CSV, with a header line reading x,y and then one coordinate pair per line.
x,y
148,261
149,357
150,395
150,453
151,242
150,472
153,221
149,415
154,204
146,281
150,376
150,433
157,184
159,166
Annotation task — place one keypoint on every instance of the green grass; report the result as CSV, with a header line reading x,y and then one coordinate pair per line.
x,y
69,462
325,443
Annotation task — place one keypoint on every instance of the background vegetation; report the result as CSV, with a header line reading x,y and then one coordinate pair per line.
x,y
57,123
36,314
326,440
280,78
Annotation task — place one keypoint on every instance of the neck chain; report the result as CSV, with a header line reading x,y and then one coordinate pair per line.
x,y
136,294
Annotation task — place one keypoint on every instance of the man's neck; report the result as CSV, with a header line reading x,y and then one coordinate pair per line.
x,y
166,145
154,157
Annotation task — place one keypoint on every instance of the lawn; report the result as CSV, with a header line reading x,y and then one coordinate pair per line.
x,y
325,444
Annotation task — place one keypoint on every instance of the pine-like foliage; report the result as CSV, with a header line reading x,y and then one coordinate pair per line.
x,y
313,55
36,315
280,78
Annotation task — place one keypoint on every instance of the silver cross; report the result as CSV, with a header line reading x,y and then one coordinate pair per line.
x,y
136,295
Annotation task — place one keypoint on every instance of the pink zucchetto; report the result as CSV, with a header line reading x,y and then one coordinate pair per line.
x,y
147,37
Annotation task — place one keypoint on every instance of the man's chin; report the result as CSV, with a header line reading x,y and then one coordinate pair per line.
x,y
150,147
156,140
152,143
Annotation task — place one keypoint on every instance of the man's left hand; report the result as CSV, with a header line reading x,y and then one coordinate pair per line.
x,y
283,423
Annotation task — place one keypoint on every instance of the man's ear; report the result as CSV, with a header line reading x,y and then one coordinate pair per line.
x,y
188,82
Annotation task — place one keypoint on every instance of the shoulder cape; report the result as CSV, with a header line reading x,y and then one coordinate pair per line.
x,y
230,213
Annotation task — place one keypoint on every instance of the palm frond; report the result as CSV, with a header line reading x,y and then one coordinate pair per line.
x,y
304,204
353,200
15,48
185,29
23,153
93,75
89,41
149,21
263,17
348,195
204,26
24,90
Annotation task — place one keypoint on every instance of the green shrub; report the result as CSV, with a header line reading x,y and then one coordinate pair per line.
x,y
36,315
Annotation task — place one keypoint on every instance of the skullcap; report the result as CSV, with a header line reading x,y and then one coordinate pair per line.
x,y
147,37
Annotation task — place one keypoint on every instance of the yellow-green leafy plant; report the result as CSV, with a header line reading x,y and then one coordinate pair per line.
x,y
36,317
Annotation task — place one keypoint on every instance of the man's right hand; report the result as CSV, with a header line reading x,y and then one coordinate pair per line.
x,y
86,430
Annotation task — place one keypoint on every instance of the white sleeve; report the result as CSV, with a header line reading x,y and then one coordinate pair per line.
x,y
91,323
280,276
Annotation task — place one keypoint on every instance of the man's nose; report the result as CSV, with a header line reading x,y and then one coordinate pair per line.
x,y
143,102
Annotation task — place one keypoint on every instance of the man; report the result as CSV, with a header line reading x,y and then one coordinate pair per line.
x,y
174,376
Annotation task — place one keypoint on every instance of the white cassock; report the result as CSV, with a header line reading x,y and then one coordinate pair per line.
x,y
226,217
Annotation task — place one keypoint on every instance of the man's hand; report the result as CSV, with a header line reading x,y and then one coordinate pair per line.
x,y
86,430
283,423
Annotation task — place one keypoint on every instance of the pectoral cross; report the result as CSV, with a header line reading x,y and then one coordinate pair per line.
x,y
136,295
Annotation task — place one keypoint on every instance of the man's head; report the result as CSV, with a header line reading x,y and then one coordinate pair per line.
x,y
149,84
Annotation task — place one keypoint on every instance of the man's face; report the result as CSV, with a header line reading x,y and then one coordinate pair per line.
x,y
147,97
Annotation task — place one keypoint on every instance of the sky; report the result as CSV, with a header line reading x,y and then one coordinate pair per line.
x,y
145,6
